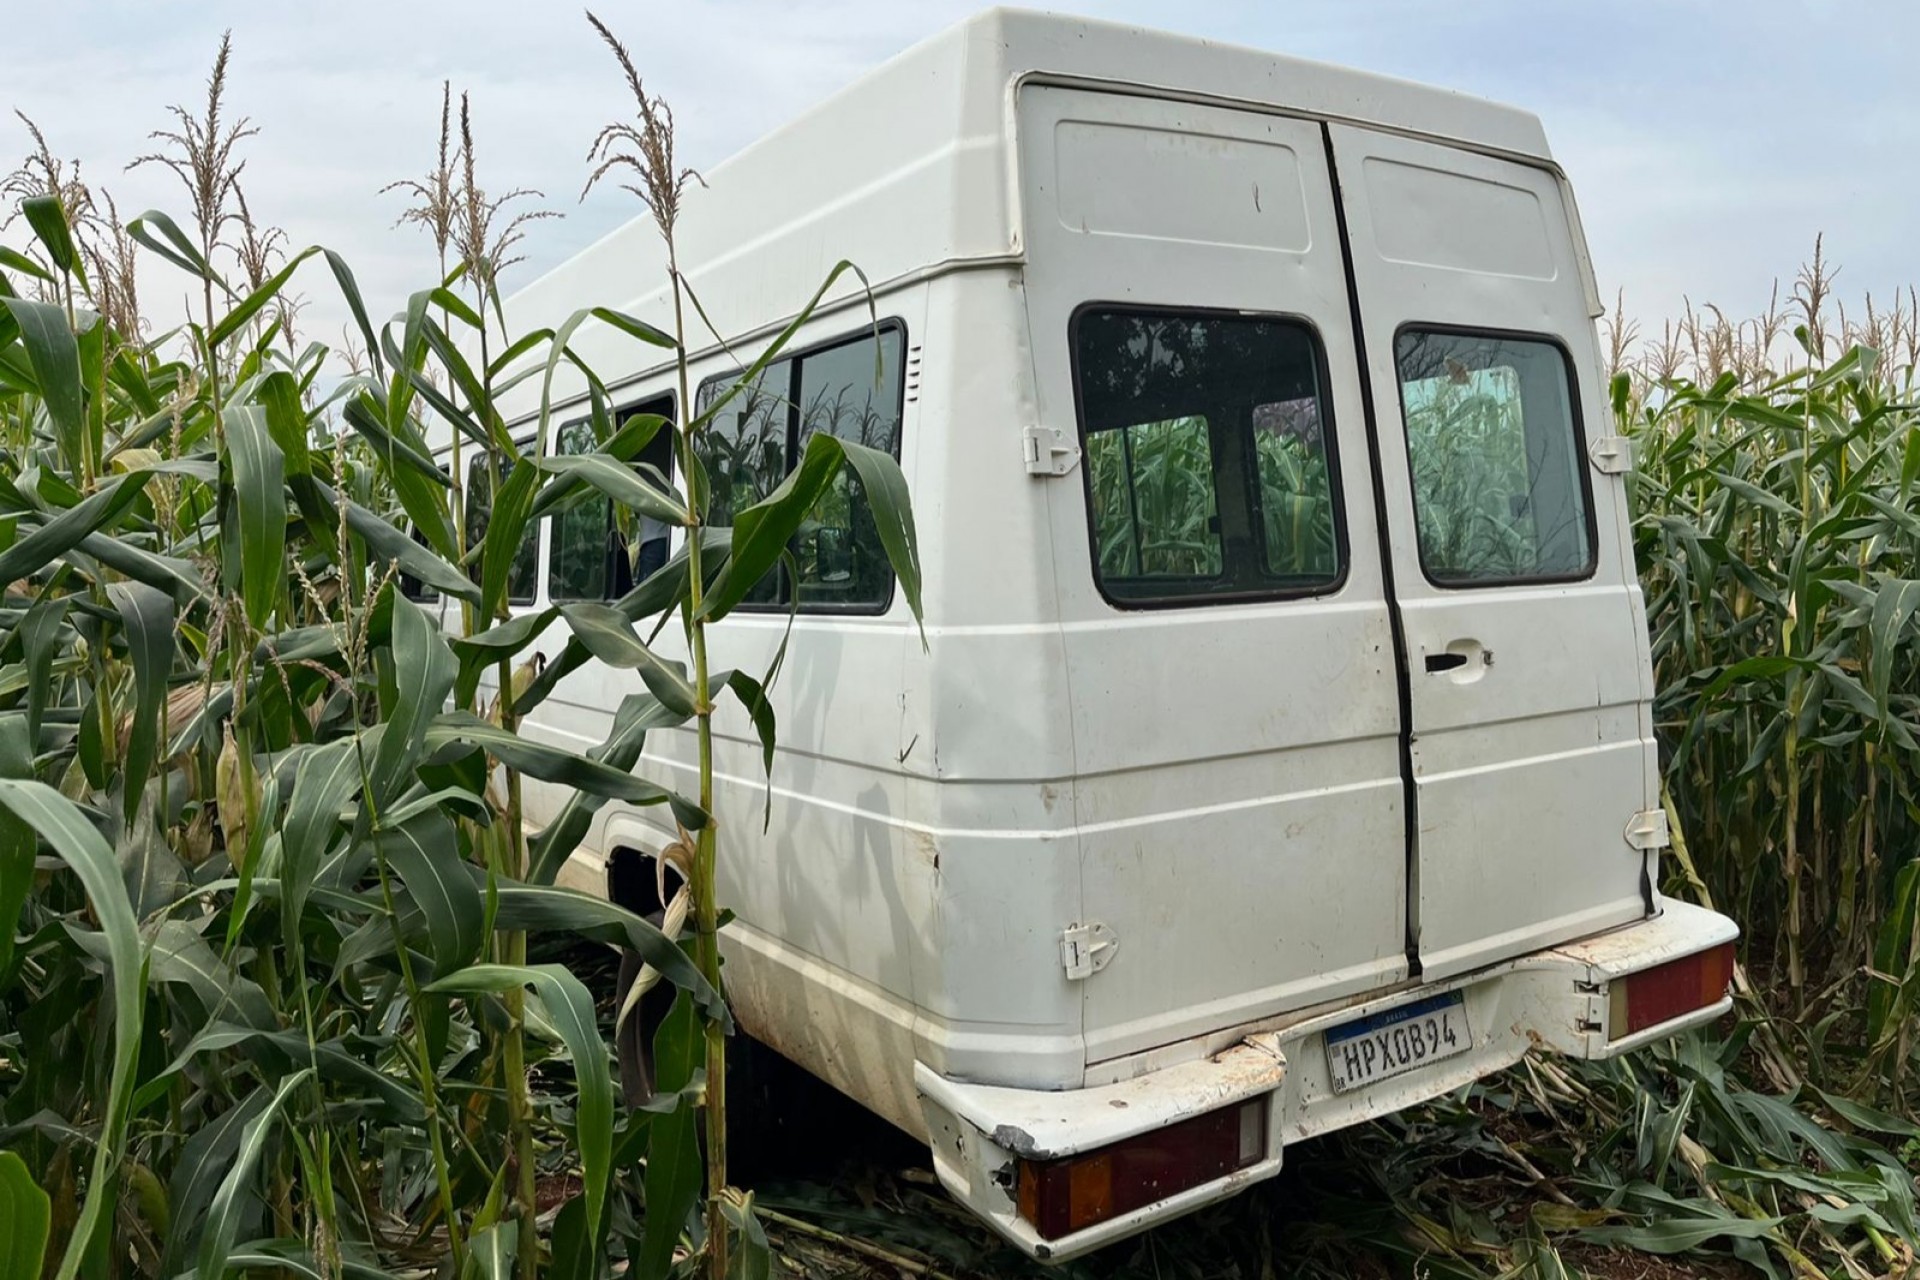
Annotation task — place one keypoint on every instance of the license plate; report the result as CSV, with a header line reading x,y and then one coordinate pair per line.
x,y
1396,1041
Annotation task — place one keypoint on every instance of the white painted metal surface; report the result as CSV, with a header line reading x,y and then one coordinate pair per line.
x,y
1237,785
1077,844
1529,768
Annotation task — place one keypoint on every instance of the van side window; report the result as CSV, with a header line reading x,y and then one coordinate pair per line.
x,y
1208,466
411,587
851,389
1499,483
523,576
588,557
744,452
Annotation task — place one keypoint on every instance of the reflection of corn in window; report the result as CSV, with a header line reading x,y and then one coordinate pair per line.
x,y
850,389
1498,481
1208,463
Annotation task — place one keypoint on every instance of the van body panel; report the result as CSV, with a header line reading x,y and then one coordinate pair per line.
x,y
1531,754
1238,784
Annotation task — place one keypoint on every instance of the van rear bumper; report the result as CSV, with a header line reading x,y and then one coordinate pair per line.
x,y
1557,1001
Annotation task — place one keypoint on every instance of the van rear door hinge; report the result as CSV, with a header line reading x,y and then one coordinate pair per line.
x,y
1613,455
1086,949
1648,830
1048,452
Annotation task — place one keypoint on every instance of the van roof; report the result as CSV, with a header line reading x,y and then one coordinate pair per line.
x,y
911,168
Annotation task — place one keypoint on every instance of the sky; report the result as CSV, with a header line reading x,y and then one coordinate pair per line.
x,y
1708,141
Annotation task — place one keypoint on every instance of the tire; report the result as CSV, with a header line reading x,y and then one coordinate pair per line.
x,y
757,1121
634,1043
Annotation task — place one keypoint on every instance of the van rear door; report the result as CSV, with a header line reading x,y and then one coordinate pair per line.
x,y
1524,633
1237,798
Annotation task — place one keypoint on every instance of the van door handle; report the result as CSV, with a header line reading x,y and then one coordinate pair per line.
x,y
1438,662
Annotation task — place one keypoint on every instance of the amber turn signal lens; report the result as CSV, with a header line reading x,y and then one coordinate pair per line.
x,y
1060,1197
1665,992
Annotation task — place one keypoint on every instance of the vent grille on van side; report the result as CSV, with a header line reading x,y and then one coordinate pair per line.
x,y
913,374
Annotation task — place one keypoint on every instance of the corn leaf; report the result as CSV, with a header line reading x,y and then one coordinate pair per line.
x,y
216,1241
570,1011
1679,1234
549,850
674,1171
425,854
53,353
59,822
65,531
173,245
26,1214
619,482
609,636
250,306
423,675
886,491
260,494
551,764
1894,605
146,619
322,784
493,1249
634,435
204,1157
17,843
388,545
505,531
547,909
350,290
48,218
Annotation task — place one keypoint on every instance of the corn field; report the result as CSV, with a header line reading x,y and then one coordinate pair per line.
x,y
280,978
1777,538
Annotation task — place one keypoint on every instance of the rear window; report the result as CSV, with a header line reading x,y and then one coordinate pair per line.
x,y
1209,468
1499,485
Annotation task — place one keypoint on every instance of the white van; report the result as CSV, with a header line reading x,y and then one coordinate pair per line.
x,y
1281,750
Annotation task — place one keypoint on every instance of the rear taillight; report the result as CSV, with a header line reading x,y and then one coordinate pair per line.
x,y
1060,1197
1665,992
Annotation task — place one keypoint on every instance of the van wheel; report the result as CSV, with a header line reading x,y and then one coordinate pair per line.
x,y
754,1076
634,1043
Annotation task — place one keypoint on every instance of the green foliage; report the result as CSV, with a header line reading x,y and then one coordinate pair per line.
x,y
25,1212
1780,554
261,826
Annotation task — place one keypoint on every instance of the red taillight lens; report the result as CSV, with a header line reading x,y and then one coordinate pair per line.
x,y
1665,992
1060,1197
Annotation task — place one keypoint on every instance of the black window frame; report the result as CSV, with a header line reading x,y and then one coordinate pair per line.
x,y
796,358
617,579
1582,451
1329,435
